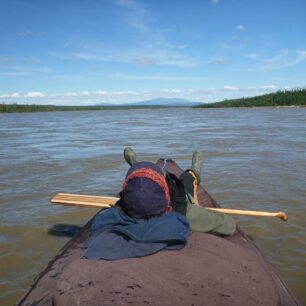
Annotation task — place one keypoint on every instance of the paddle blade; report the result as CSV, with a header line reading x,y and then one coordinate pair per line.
x,y
84,200
66,230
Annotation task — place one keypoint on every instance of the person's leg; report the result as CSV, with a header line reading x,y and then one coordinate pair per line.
x,y
191,177
203,220
129,156
200,219
197,164
190,182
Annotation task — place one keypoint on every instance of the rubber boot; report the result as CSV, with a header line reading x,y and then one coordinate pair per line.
x,y
129,156
197,164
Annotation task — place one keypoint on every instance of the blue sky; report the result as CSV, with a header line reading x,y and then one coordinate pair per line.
x,y
86,52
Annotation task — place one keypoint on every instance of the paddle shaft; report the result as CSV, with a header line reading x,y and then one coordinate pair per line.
x,y
70,199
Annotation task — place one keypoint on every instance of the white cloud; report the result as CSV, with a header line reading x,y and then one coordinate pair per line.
x,y
240,28
34,94
171,91
268,87
13,95
91,57
133,93
230,88
278,57
282,59
101,92
153,47
158,56
156,47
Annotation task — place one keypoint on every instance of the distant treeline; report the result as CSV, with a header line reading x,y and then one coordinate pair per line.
x,y
24,108
279,98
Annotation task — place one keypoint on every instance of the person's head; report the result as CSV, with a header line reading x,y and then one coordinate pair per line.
x,y
145,192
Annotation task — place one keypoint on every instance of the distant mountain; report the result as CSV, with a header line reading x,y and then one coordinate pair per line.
x,y
166,102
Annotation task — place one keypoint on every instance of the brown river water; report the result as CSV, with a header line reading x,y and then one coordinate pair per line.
x,y
254,159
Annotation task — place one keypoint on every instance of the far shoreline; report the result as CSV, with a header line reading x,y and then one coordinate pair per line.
x,y
149,108
279,99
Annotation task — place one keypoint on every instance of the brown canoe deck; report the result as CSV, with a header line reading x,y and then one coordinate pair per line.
x,y
210,270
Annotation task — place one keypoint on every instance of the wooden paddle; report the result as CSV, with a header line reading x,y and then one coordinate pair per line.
x,y
106,202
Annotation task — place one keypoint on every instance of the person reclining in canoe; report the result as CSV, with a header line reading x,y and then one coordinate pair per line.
x,y
155,212
183,197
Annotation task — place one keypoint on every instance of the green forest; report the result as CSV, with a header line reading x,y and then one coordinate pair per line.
x,y
294,97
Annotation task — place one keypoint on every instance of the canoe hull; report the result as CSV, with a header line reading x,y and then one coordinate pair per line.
x,y
210,270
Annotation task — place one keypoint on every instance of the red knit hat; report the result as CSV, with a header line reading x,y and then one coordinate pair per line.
x,y
145,192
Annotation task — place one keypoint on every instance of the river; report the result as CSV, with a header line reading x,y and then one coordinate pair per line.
x,y
254,159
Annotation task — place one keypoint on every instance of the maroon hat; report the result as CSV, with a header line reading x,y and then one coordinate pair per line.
x,y
145,192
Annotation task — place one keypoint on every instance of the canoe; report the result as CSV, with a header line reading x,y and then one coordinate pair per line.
x,y
210,270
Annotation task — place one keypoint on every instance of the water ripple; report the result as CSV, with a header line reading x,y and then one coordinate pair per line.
x,y
254,159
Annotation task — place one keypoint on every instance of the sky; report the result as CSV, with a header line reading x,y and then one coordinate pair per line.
x,y
85,52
